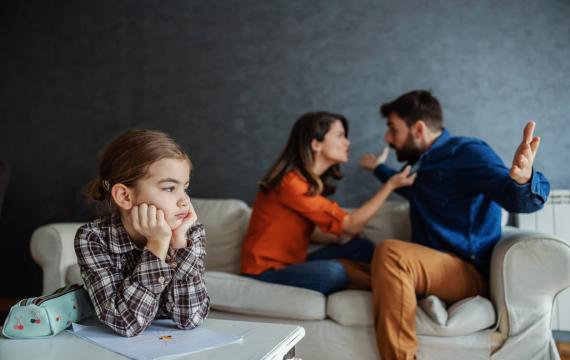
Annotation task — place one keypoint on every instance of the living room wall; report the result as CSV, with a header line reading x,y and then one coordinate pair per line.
x,y
228,78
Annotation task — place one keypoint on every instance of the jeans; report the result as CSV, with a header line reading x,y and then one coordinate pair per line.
x,y
321,272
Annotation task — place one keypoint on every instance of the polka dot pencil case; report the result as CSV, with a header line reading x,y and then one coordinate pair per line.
x,y
47,315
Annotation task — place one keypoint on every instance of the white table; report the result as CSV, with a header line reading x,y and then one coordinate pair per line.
x,y
260,341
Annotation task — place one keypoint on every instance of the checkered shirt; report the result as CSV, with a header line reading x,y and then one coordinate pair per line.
x,y
130,286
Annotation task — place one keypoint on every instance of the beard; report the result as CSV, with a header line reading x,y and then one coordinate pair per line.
x,y
409,152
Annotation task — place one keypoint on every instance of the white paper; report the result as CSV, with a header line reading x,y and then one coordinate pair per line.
x,y
162,338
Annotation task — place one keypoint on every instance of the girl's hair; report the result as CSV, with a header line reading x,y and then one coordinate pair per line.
x,y
127,159
298,154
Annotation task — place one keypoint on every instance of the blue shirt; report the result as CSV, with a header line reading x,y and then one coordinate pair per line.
x,y
455,200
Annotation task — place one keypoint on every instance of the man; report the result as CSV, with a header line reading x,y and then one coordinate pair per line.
x,y
455,214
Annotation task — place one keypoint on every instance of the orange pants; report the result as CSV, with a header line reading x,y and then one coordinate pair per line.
x,y
402,272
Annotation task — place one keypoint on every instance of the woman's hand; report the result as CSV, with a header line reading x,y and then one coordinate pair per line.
x,y
402,179
179,239
371,161
150,223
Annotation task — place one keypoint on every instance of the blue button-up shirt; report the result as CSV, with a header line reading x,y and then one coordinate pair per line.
x,y
456,198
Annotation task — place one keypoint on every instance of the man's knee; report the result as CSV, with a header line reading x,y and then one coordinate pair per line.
x,y
387,251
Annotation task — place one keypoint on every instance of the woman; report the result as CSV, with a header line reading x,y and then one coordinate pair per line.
x,y
291,209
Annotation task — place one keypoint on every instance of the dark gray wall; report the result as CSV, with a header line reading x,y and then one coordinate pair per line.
x,y
227,79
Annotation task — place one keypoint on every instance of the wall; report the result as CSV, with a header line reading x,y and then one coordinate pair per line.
x,y
227,79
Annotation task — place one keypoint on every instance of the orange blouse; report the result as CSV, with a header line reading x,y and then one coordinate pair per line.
x,y
282,222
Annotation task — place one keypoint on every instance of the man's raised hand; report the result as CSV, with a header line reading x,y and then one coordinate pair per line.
x,y
521,170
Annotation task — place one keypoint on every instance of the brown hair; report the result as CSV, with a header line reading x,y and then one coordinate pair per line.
x,y
126,160
298,154
416,105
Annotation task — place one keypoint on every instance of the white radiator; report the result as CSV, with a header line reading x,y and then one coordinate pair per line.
x,y
554,218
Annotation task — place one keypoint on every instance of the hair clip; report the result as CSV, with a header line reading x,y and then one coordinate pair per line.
x,y
106,185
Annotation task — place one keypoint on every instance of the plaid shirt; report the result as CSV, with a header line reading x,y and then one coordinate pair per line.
x,y
130,286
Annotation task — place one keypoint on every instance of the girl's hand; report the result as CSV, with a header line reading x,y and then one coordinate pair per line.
x,y
402,179
179,239
149,222
371,161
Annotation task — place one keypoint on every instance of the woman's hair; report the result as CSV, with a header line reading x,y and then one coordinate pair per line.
x,y
298,154
127,159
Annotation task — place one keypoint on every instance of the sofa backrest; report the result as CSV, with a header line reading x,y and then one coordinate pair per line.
x,y
392,221
226,222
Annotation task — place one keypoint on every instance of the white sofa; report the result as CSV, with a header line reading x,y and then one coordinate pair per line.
x,y
528,270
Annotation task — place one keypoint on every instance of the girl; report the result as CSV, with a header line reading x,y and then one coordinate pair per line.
x,y
145,258
292,209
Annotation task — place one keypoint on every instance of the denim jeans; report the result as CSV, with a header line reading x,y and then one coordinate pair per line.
x,y
321,272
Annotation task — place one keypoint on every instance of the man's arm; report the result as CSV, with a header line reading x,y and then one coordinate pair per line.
x,y
520,189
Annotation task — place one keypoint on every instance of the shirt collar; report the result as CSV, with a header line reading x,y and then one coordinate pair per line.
x,y
439,142
441,139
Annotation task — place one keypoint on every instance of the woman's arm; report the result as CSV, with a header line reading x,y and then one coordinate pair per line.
x,y
356,220
320,237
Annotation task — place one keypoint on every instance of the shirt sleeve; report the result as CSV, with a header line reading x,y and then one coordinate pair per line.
x,y
126,303
323,212
384,172
187,300
486,173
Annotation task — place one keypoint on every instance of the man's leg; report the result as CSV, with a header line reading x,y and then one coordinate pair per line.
x,y
402,271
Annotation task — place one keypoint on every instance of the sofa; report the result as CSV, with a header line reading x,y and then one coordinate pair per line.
x,y
528,270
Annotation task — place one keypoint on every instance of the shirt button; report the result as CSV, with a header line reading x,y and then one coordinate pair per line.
x,y
161,279
473,257
173,265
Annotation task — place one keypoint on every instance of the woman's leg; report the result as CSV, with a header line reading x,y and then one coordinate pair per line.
x,y
355,257
358,249
324,276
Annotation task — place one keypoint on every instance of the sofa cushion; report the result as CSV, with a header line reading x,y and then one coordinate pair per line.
x,y
353,308
243,295
226,222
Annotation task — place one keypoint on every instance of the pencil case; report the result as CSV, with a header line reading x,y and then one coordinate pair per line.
x,y
47,315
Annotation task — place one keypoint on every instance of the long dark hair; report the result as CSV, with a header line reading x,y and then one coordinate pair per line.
x,y
298,154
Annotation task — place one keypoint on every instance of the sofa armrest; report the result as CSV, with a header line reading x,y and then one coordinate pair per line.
x,y
528,269
52,248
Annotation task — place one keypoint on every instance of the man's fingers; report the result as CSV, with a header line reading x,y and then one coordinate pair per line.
x,y
406,170
535,144
528,132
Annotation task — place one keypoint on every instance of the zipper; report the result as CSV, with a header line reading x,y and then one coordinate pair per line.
x,y
59,292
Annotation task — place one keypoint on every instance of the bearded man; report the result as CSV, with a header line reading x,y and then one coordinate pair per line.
x,y
455,211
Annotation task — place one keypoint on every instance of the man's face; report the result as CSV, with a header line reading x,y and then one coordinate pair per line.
x,y
399,137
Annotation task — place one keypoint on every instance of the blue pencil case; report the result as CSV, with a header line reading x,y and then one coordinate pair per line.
x,y
47,315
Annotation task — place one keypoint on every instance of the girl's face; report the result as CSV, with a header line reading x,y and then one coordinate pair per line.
x,y
335,146
165,186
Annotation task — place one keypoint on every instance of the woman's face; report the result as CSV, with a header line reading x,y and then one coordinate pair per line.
x,y
335,146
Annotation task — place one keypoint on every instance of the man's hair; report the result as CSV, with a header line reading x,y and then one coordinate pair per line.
x,y
416,105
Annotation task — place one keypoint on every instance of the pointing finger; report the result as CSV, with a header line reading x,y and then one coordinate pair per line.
x,y
528,131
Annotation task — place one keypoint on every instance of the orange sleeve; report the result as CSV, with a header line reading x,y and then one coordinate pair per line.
x,y
323,212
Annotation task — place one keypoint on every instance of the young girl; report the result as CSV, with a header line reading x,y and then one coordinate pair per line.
x,y
145,258
292,209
